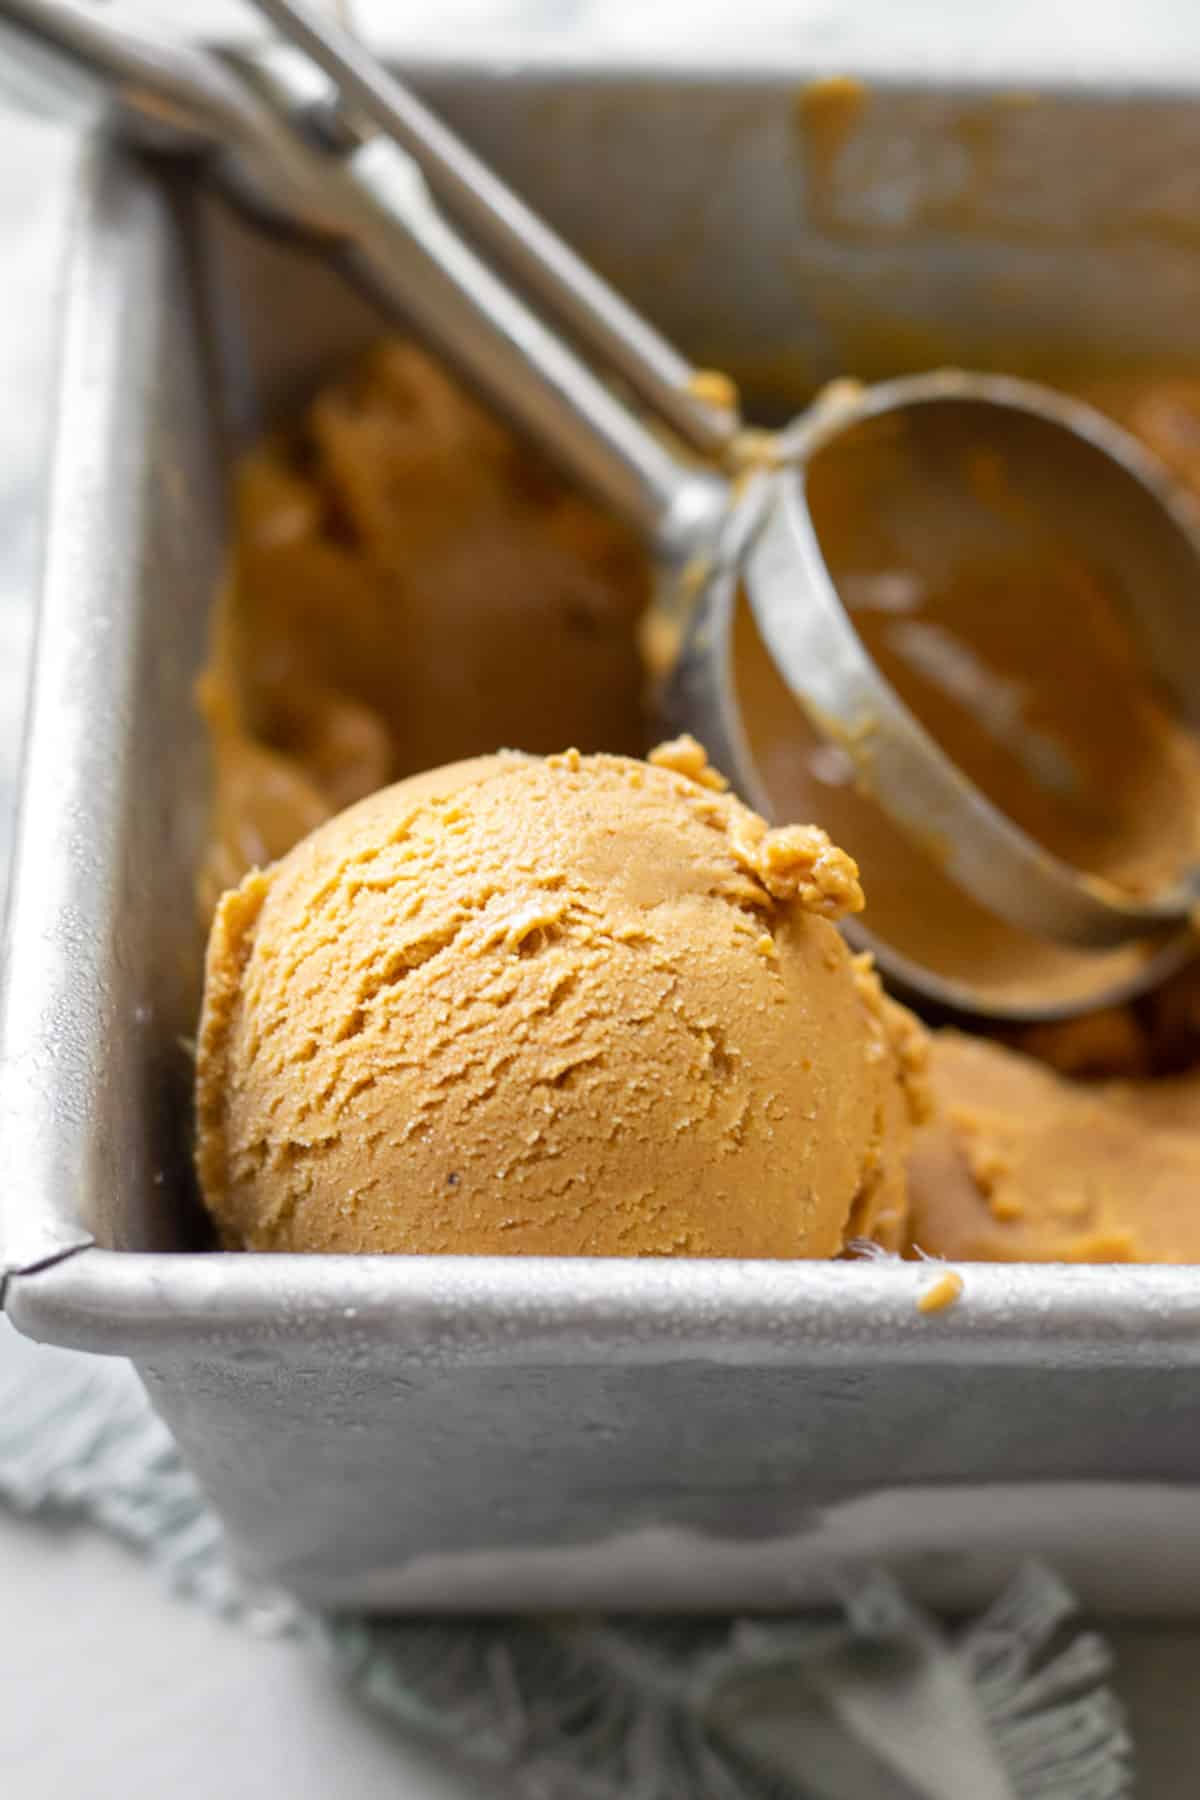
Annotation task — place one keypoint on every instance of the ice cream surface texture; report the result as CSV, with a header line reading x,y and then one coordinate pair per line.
x,y
1023,1165
572,1005
409,586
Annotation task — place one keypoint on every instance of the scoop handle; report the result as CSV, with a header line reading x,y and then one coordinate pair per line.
x,y
545,267
393,238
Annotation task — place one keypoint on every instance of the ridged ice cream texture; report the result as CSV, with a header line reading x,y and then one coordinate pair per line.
x,y
580,1005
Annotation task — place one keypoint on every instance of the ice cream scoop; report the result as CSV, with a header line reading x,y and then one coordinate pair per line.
x,y
573,1005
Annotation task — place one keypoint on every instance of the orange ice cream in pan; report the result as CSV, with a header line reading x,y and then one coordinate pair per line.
x,y
560,1004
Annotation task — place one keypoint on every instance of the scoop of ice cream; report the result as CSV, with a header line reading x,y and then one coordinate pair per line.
x,y
1023,1165
580,1005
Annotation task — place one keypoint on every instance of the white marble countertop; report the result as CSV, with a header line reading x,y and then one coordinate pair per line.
x,y
108,1684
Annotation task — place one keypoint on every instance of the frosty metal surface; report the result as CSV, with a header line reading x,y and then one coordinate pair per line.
x,y
521,1432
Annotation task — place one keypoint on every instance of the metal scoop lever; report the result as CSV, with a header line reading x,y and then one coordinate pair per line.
x,y
537,257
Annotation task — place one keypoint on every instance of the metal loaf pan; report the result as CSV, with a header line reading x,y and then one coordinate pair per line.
x,y
465,1434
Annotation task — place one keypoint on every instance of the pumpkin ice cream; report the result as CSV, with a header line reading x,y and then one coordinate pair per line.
x,y
1022,1164
574,1005
411,585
